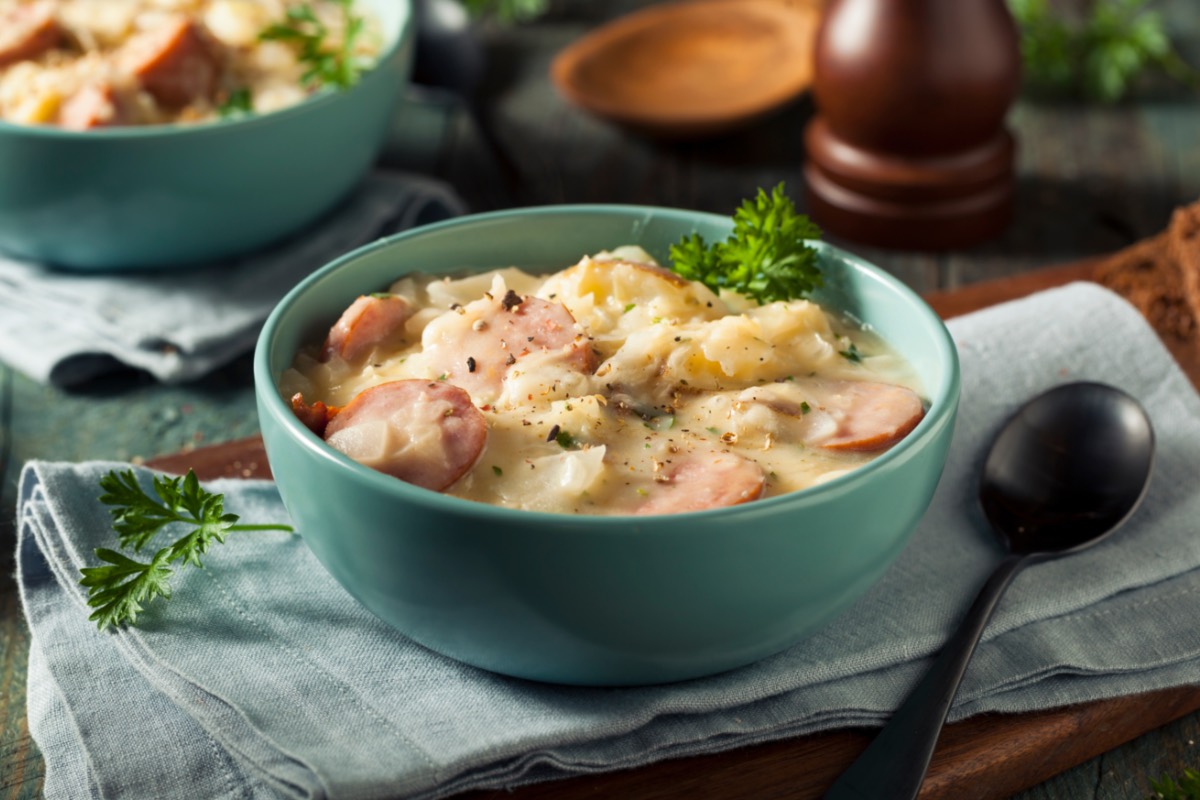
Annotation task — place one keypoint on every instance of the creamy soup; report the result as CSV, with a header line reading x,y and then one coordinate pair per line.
x,y
611,387
84,64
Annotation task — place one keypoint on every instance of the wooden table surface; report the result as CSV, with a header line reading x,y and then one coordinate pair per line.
x,y
1091,180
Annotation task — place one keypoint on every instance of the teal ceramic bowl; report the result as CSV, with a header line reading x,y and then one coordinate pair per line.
x,y
169,196
599,600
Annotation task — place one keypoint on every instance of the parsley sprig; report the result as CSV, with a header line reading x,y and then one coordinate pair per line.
x,y
1098,54
1187,788
119,590
237,103
766,257
507,10
325,65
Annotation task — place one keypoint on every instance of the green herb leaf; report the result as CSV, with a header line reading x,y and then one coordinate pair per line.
x,y
1100,54
325,64
766,258
851,354
1166,788
239,103
507,10
119,591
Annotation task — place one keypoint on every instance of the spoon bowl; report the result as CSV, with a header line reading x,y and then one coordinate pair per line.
x,y
1066,470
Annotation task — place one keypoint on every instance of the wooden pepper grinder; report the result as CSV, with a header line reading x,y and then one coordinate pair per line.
x,y
909,147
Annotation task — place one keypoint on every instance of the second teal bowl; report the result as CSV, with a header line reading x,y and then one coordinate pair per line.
x,y
166,197
599,600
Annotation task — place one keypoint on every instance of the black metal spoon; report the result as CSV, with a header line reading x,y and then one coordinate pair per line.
x,y
1069,467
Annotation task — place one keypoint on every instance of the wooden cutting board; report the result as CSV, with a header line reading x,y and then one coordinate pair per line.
x,y
986,757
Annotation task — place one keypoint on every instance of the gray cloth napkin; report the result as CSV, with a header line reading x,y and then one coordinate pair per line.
x,y
62,327
263,678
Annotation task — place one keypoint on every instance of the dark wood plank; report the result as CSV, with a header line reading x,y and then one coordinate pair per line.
x,y
975,296
240,458
995,756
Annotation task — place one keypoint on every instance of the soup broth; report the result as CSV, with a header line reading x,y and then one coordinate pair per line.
x,y
611,387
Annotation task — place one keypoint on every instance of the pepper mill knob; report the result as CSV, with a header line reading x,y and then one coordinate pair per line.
x,y
909,147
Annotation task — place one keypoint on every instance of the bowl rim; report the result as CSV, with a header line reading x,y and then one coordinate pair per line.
x,y
405,31
943,405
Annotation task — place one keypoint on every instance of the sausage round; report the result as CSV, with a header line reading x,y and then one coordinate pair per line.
x,y
708,480
871,415
427,433
27,31
476,348
176,63
369,321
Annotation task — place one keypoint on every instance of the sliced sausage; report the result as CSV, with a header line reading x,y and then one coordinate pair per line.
x,y
27,31
315,417
710,480
176,63
870,415
427,433
370,321
476,348
546,325
841,415
96,105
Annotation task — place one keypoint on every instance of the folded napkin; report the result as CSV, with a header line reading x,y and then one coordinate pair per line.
x,y
263,678
66,327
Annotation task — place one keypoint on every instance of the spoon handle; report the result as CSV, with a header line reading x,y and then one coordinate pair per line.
x,y
895,762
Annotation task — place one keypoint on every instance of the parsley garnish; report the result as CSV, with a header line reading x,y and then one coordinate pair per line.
x,y
1188,787
117,591
507,10
565,440
1098,55
851,354
765,258
237,104
325,65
